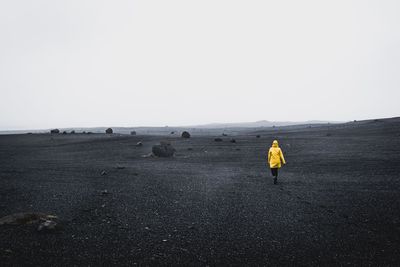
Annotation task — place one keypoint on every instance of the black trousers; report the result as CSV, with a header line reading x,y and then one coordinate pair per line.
x,y
274,172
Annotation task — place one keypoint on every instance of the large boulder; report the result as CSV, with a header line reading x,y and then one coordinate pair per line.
x,y
55,131
109,131
185,134
164,149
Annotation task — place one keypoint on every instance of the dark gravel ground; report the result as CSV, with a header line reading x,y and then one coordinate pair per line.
x,y
214,203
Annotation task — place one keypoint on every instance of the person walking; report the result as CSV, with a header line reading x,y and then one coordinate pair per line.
x,y
275,159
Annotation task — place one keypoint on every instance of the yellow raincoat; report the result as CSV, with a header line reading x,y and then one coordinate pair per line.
x,y
275,156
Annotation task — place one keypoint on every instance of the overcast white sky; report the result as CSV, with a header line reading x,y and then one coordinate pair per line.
x,y
130,63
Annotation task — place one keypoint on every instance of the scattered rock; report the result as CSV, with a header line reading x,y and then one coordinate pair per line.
x,y
328,134
103,173
25,218
224,134
164,149
233,141
172,132
218,140
55,131
237,149
190,149
64,132
139,144
109,131
119,167
133,132
258,136
72,132
105,192
89,133
47,225
185,134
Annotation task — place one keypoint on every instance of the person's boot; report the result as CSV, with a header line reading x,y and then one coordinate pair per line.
x,y
275,180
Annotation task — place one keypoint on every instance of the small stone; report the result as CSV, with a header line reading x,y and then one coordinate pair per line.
x,y
103,173
47,225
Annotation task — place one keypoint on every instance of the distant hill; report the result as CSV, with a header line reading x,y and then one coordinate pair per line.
x,y
217,127
212,128
262,123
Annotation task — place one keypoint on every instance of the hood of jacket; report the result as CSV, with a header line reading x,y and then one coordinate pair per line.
x,y
275,143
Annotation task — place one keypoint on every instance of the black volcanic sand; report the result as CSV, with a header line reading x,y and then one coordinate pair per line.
x,y
337,201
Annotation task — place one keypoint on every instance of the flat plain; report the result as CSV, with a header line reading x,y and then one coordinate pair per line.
x,y
337,201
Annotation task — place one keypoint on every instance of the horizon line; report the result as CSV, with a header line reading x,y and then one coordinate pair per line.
x,y
314,121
